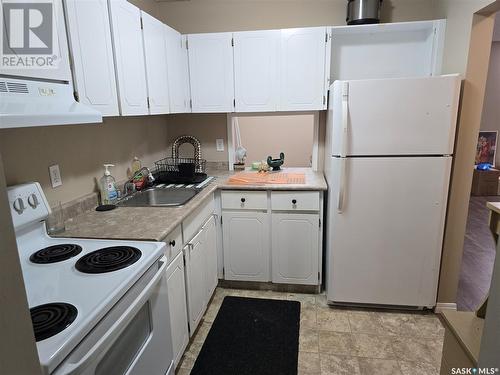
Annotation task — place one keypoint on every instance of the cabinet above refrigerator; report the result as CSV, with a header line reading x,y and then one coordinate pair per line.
x,y
392,50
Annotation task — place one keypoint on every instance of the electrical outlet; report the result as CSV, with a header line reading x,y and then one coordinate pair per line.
x,y
55,175
219,142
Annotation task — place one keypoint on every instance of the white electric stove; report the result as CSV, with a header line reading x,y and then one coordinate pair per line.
x,y
92,302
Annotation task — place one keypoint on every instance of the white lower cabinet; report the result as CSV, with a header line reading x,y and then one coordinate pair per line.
x,y
246,245
277,239
295,244
177,306
201,271
195,279
211,255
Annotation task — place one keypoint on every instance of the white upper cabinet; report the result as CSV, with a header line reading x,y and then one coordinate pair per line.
x,y
155,53
303,54
211,72
92,53
129,58
256,74
178,71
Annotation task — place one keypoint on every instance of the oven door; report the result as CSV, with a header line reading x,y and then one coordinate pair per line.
x,y
134,338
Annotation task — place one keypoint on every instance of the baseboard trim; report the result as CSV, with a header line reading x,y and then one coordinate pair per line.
x,y
441,306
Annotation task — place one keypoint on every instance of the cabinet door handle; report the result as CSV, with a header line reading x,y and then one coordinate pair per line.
x,y
243,200
294,201
172,243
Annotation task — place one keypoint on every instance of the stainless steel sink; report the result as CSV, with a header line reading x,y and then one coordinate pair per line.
x,y
159,197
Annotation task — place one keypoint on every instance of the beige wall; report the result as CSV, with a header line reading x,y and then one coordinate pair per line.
x,y
197,16
491,111
149,6
206,127
459,22
265,136
80,151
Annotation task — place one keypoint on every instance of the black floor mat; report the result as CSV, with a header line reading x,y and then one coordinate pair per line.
x,y
252,336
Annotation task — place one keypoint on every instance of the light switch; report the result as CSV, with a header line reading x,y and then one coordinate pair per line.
x,y
55,175
219,142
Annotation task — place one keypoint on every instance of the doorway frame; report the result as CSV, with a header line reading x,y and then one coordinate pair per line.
x,y
472,100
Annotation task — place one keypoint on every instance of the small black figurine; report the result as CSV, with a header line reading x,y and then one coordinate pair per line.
x,y
276,163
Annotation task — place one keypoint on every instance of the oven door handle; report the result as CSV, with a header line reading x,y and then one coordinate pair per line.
x,y
107,340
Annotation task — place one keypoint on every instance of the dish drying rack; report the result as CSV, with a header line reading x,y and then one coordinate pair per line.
x,y
182,170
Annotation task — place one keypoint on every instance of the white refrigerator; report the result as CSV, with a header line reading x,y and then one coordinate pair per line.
x,y
389,145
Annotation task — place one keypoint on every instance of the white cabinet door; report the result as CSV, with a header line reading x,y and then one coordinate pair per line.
x,y
92,52
177,306
256,75
195,279
155,53
211,72
303,69
129,58
295,244
246,245
178,71
210,248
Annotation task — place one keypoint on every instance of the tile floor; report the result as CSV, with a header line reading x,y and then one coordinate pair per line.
x,y
338,341
478,257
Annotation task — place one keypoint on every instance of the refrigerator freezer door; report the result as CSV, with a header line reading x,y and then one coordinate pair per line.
x,y
410,116
385,245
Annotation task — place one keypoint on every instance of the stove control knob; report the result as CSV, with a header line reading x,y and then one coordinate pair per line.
x,y
19,205
33,201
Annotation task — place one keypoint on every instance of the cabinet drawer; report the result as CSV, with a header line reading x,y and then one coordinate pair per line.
x,y
174,243
295,201
244,200
192,224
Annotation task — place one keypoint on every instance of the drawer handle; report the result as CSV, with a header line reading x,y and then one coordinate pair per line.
x,y
294,201
172,243
243,200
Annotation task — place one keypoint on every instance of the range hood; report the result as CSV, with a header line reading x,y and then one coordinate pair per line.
x,y
37,102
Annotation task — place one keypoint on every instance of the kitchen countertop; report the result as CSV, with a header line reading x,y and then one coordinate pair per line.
x,y
314,181
156,223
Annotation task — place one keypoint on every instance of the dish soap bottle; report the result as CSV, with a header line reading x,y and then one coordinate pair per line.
x,y
136,165
109,194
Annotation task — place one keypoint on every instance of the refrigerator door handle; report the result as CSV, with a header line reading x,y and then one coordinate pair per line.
x,y
345,118
341,185
343,150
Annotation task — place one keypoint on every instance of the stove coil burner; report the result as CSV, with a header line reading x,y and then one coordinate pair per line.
x,y
108,259
50,319
56,253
